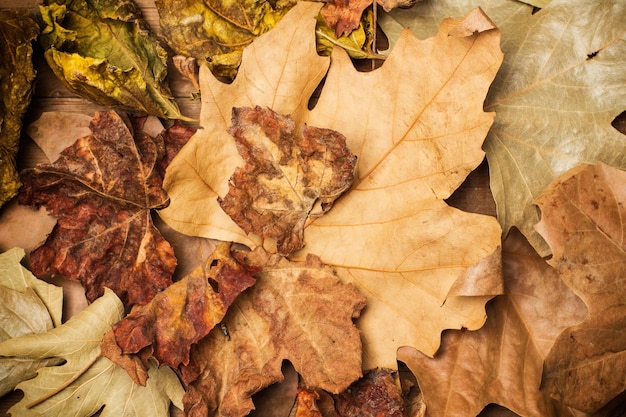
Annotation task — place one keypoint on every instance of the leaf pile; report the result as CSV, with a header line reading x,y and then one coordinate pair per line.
x,y
105,51
18,29
102,190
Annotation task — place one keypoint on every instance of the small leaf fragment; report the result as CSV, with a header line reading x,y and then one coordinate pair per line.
x,y
374,394
286,174
184,312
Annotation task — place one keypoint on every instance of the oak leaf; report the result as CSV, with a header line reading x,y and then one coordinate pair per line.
x,y
182,314
27,305
582,219
87,381
392,234
298,312
286,175
555,96
102,190
502,363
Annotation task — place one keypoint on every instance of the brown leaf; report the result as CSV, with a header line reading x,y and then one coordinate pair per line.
x,y
306,403
502,363
343,16
582,219
181,315
298,312
102,189
285,176
375,394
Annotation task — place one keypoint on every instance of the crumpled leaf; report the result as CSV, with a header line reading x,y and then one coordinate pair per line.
x,y
182,314
18,29
392,234
582,219
27,305
215,32
502,363
305,405
102,189
87,381
286,174
298,312
555,96
104,51
375,394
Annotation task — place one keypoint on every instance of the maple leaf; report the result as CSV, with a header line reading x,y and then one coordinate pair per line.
x,y
102,189
87,381
502,363
182,314
582,219
28,305
285,176
296,312
555,96
392,234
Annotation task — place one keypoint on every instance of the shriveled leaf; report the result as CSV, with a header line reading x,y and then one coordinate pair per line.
x,y
102,189
343,16
287,174
296,312
104,51
184,312
582,219
215,32
27,305
18,28
87,381
555,96
502,362
375,394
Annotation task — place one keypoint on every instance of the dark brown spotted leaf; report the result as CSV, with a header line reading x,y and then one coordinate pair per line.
x,y
102,190
288,174
375,394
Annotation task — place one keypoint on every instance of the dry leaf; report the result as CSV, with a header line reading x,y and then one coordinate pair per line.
x,y
502,363
582,219
375,394
102,190
181,315
27,305
305,404
86,382
286,174
392,234
555,96
296,312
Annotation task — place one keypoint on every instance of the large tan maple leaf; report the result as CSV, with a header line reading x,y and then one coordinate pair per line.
x,y
416,126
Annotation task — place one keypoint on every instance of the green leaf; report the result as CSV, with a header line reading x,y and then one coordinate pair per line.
x,y
88,381
559,88
17,30
104,51
27,305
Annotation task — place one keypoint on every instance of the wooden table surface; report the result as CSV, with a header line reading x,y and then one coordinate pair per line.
x,y
474,194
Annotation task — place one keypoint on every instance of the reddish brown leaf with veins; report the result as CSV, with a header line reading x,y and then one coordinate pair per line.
x,y
182,314
582,219
102,189
375,394
298,312
287,176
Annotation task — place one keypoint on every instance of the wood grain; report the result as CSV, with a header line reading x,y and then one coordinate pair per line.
x,y
474,195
